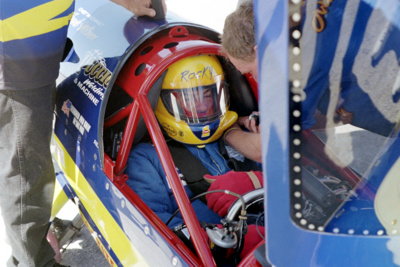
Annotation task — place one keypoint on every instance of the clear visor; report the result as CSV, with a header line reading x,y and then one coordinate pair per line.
x,y
197,104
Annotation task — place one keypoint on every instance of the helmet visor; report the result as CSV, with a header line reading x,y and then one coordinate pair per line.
x,y
196,104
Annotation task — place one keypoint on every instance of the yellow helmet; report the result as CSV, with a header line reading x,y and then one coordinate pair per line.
x,y
193,104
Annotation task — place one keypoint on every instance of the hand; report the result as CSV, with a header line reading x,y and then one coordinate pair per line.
x,y
249,124
238,182
140,7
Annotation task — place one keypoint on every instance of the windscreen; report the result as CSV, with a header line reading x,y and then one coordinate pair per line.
x,y
345,89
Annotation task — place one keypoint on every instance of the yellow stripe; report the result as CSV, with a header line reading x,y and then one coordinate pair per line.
x,y
98,242
35,21
106,224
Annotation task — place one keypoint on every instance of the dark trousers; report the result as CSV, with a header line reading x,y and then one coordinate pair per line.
x,y
26,173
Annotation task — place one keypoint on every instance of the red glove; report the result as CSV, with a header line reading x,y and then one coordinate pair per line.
x,y
238,182
252,238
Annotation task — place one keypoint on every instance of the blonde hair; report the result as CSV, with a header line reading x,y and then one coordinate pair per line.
x,y
238,37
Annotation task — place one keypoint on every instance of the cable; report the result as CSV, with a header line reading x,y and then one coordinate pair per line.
x,y
258,230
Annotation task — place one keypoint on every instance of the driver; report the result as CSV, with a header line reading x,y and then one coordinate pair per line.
x,y
193,110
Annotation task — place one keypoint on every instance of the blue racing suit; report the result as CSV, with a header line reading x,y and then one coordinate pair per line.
x,y
148,180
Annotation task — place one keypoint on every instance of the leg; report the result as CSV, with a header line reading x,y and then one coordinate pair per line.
x,y
26,173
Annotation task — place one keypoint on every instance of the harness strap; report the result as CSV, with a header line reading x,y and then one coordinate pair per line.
x,y
192,169
254,180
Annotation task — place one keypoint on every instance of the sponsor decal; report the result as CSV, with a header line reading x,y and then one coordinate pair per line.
x,y
169,129
206,131
99,72
85,23
88,87
66,107
318,22
207,72
105,253
97,78
98,242
78,121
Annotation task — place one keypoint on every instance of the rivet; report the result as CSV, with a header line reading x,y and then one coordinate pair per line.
x,y
299,215
297,181
296,113
380,232
335,230
174,261
296,34
296,67
296,17
297,206
296,98
296,142
94,168
296,83
296,51
365,232
296,155
297,194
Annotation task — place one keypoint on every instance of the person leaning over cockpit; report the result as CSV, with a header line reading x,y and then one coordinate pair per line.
x,y
239,46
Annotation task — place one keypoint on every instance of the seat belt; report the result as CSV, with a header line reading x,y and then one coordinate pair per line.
x,y
191,167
